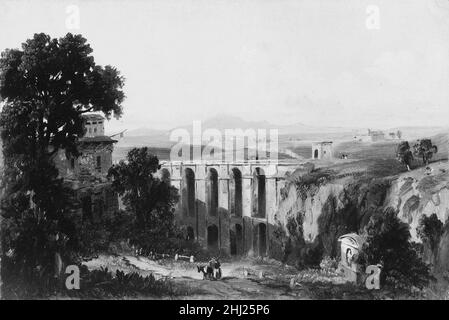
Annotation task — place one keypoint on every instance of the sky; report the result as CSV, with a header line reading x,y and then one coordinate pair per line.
x,y
352,63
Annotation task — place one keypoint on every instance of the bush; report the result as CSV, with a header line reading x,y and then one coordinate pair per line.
x,y
309,183
98,284
430,230
102,283
388,243
328,264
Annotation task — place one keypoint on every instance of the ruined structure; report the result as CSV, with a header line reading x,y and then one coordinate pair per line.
x,y
229,207
322,150
87,174
376,135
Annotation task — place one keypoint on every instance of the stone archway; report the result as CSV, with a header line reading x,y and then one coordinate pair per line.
x,y
260,239
188,193
190,234
212,237
233,242
236,239
239,238
259,194
212,192
235,193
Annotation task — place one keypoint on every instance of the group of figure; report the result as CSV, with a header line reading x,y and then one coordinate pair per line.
x,y
212,270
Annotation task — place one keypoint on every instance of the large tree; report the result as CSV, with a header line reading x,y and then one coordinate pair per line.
x,y
149,198
46,87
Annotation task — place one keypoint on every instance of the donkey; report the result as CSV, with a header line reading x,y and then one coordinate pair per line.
x,y
208,272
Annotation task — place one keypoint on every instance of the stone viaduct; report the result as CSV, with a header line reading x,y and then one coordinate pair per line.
x,y
229,207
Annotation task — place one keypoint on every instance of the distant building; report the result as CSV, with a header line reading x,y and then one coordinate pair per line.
x,y
372,136
376,135
322,150
87,174
393,135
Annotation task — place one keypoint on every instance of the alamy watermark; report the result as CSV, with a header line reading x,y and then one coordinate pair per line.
x,y
372,21
73,18
229,145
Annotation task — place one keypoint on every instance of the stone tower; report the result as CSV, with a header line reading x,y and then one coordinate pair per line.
x,y
322,150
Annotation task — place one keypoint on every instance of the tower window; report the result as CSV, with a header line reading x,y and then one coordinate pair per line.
x,y
72,163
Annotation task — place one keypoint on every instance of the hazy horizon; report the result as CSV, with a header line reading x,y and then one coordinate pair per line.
x,y
316,62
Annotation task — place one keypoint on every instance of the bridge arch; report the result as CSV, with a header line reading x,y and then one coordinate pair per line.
x,y
235,193
258,197
212,192
212,237
260,239
188,193
236,239
190,233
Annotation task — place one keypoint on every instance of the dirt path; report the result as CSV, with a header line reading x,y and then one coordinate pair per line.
x,y
243,279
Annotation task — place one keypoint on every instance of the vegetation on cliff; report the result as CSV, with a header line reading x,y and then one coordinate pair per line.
x,y
388,244
354,201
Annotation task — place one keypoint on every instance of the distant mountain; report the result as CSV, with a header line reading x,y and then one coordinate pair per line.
x,y
144,131
299,128
288,134
225,121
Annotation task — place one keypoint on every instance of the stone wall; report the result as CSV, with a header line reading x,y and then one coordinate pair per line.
x,y
86,166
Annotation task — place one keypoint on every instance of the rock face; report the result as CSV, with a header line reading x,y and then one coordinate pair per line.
x,y
414,194
312,214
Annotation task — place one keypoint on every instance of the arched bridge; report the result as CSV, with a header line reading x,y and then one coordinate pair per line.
x,y
229,207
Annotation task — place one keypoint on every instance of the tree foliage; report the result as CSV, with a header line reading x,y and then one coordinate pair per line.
x,y
404,154
148,197
388,243
46,87
430,230
425,149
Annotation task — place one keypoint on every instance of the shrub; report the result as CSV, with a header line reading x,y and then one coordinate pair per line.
x,y
328,264
309,183
388,243
99,284
103,283
430,230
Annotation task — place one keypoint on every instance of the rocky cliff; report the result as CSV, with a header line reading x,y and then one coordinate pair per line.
x,y
317,208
